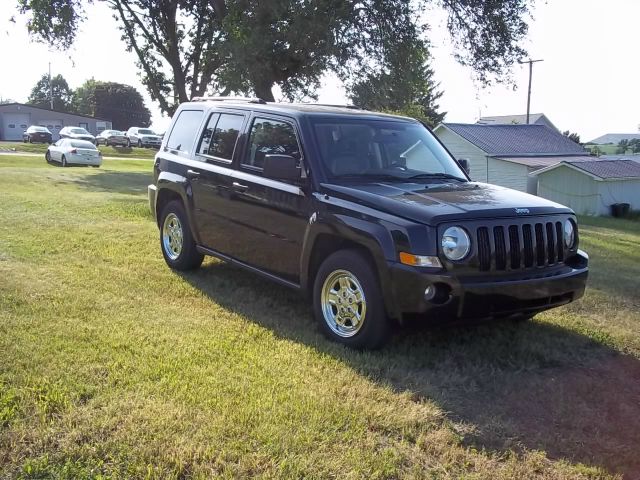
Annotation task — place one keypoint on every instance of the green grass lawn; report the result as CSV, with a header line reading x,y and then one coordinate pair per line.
x,y
123,152
113,366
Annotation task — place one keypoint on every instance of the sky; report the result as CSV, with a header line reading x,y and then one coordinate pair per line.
x,y
587,83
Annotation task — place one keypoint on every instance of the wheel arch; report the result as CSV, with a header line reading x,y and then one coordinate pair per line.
x,y
375,247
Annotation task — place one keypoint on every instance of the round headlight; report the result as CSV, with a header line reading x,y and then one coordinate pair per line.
x,y
569,234
455,243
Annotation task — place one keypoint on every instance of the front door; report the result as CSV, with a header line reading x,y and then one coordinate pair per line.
x,y
270,215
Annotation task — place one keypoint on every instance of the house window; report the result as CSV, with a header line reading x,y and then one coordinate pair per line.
x,y
84,125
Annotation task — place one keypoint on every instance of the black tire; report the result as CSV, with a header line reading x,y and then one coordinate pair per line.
x,y
375,329
139,143
106,143
47,157
29,140
64,161
188,258
128,143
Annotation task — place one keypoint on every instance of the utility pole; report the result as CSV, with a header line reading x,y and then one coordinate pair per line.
x,y
530,62
50,88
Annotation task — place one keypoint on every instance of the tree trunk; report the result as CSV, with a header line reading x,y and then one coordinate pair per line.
x,y
262,88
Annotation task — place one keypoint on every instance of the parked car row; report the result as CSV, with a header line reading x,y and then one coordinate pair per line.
x,y
135,136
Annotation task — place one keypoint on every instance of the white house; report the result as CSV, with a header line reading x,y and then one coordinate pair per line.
x,y
506,154
591,187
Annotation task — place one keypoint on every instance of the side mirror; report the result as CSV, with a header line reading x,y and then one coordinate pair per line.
x,y
464,163
281,167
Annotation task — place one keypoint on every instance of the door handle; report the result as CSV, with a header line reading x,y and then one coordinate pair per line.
x,y
192,174
239,187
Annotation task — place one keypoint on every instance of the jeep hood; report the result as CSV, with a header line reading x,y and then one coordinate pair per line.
x,y
433,203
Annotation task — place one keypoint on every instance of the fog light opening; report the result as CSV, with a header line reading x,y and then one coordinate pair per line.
x,y
437,293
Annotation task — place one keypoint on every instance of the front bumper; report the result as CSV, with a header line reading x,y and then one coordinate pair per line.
x,y
490,297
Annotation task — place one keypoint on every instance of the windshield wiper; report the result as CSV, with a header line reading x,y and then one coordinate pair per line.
x,y
436,175
370,176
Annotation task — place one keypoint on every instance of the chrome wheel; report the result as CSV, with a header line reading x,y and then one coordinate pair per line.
x,y
343,303
172,236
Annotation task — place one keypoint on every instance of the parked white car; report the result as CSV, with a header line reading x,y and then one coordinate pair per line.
x,y
112,137
143,137
77,133
68,151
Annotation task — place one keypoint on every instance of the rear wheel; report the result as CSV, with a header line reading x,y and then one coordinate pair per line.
x,y
347,301
178,247
64,161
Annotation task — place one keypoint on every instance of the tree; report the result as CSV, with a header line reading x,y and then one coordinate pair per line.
x,y
122,104
404,85
623,145
634,145
191,47
572,136
40,94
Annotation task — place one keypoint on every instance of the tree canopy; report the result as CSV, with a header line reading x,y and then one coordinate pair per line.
x,y
122,104
572,136
62,94
188,48
404,85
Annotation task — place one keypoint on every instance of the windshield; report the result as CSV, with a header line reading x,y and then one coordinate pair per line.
x,y
382,148
39,129
146,131
80,131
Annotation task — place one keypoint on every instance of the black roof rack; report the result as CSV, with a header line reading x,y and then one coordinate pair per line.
x,y
351,107
228,99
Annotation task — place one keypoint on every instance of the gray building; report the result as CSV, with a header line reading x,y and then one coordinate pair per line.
x,y
505,154
591,187
15,118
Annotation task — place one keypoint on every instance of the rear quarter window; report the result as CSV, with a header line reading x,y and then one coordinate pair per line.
x,y
184,130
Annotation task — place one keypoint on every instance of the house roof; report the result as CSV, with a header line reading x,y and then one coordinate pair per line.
x,y
534,118
601,169
614,138
54,111
541,162
517,140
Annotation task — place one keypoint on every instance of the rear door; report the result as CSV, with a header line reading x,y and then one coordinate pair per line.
x,y
270,216
212,188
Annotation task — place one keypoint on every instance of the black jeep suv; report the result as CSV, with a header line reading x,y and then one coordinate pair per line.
x,y
367,213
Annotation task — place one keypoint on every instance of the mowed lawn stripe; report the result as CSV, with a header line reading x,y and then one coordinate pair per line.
x,y
113,365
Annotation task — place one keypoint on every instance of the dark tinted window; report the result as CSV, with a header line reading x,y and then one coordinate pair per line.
x,y
221,140
184,129
207,134
271,137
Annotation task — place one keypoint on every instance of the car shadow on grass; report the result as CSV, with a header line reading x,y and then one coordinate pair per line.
x,y
132,183
509,386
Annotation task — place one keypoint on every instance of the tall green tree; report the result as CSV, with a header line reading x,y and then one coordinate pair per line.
x,y
572,136
41,94
190,47
122,104
404,84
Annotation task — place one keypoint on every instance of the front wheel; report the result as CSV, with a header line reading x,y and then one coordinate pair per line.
x,y
347,301
139,143
64,161
47,157
178,247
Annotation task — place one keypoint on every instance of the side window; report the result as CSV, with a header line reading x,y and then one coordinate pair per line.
x,y
184,129
271,137
205,141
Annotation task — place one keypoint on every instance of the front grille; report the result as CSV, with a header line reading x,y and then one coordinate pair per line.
x,y
520,246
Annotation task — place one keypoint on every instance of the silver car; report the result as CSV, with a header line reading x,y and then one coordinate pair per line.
x,y
68,151
77,133
112,137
